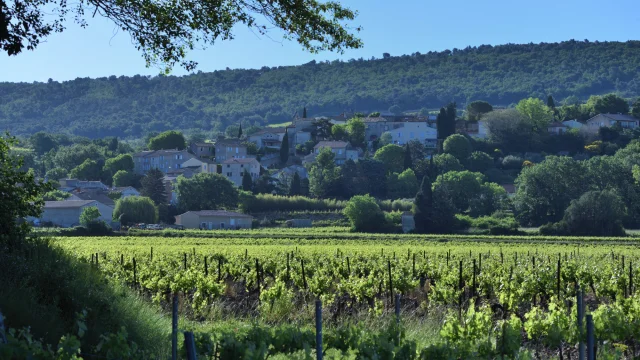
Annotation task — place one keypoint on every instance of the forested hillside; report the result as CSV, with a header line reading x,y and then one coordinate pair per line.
x,y
132,106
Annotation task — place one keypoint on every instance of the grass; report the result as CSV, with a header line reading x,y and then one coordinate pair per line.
x,y
280,124
45,288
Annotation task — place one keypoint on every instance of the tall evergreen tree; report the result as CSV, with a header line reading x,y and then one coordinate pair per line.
x,y
451,118
422,206
247,183
240,131
304,112
284,148
408,163
153,186
446,121
550,102
295,188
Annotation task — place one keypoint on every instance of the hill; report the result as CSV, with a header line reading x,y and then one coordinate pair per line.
x,y
133,106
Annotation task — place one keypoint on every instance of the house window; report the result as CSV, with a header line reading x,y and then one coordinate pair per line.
x,y
236,149
229,174
221,225
228,165
241,165
411,135
399,134
232,222
340,152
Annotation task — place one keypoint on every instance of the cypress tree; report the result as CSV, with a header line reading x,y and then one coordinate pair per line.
x,y
240,131
247,183
295,188
304,112
422,206
441,124
408,164
550,102
284,148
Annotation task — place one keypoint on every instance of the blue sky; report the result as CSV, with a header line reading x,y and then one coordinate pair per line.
x,y
397,27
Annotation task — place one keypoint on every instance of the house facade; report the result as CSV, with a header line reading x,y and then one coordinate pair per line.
x,y
164,160
214,219
233,169
409,131
608,120
342,150
573,124
229,149
269,137
557,128
203,150
67,213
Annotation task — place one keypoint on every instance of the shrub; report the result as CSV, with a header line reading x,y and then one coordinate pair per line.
x,y
136,209
250,203
364,214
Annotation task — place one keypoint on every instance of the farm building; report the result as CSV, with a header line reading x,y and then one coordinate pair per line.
x,y
214,219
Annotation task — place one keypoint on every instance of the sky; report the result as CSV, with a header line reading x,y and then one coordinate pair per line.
x,y
397,27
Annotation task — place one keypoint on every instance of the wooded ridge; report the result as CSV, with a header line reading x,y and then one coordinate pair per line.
x,y
502,75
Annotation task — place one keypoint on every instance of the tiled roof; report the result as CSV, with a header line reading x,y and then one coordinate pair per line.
x,y
234,142
374,119
241,161
331,144
620,117
67,204
218,213
158,152
95,195
556,124
271,130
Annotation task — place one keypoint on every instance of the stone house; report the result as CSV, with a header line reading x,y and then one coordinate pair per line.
x,y
234,169
214,219
229,149
164,160
607,120
203,150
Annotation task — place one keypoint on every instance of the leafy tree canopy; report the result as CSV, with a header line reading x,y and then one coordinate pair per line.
x,y
165,31
135,209
392,156
476,109
458,146
206,191
168,140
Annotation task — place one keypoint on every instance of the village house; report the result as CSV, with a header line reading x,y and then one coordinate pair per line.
x,y
557,128
417,130
164,160
573,124
67,213
343,151
202,149
229,149
233,169
607,120
214,219
269,137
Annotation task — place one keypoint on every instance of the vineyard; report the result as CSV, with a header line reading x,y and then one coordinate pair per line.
x,y
475,299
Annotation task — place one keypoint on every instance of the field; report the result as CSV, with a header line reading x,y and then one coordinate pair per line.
x,y
460,296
